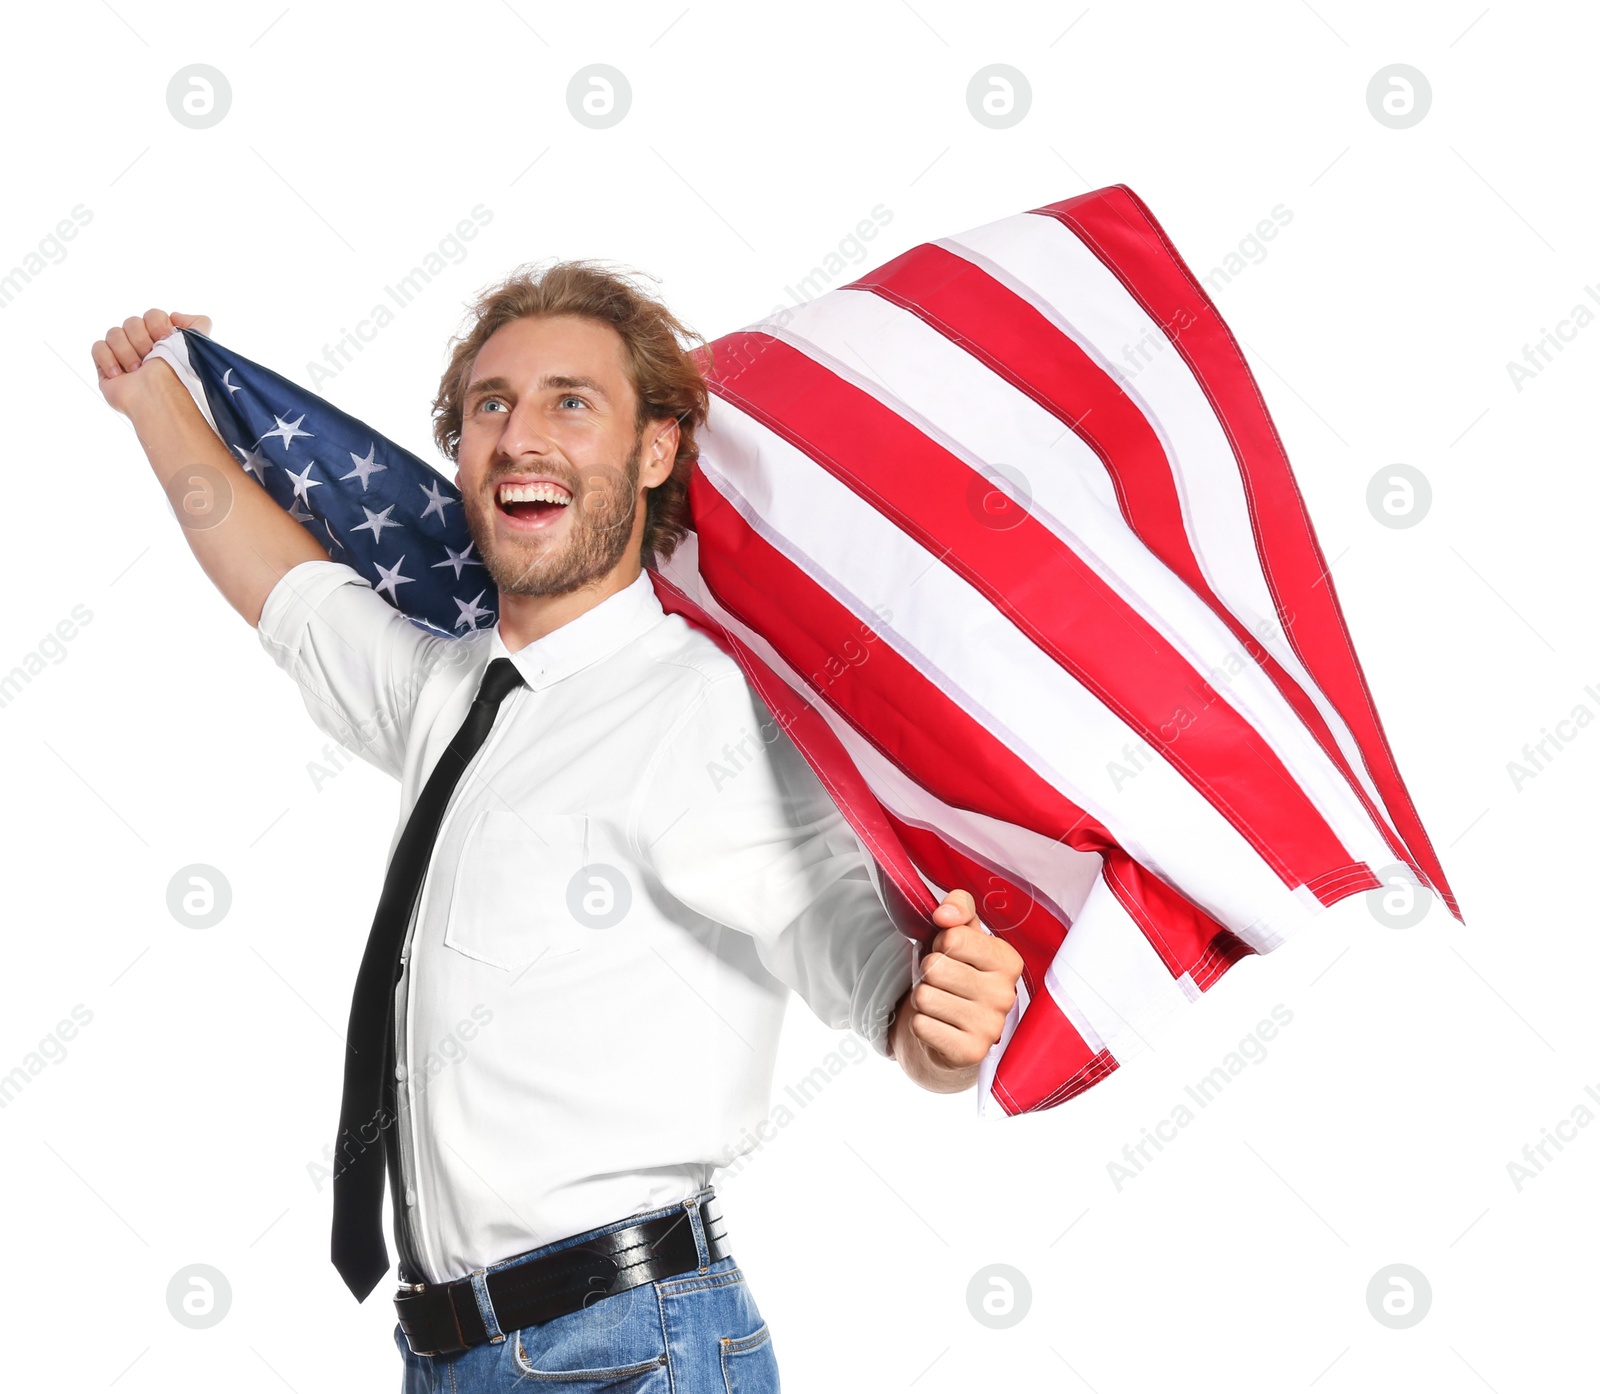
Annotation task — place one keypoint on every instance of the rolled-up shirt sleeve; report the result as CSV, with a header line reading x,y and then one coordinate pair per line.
x,y
737,826
360,664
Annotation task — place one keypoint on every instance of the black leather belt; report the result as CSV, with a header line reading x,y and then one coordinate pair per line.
x,y
443,1318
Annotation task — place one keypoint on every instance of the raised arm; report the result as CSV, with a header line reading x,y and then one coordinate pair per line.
x,y
242,539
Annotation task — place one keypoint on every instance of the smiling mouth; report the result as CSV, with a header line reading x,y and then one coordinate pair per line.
x,y
532,506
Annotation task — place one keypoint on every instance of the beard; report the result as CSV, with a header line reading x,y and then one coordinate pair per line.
x,y
599,527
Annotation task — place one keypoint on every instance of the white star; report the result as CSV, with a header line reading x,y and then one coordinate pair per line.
x,y
437,500
298,513
391,578
232,387
376,522
458,559
287,430
303,482
471,611
365,467
253,460
328,528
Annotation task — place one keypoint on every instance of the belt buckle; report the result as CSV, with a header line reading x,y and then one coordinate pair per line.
x,y
412,1294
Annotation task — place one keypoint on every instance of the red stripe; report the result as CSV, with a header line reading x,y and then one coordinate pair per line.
x,y
1018,343
1226,950
1046,1061
914,725
1121,231
1030,575
1181,932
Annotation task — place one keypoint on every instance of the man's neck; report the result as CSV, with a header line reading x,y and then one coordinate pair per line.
x,y
525,618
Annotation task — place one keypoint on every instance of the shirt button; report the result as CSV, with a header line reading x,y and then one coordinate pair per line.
x,y
400,1073
411,1196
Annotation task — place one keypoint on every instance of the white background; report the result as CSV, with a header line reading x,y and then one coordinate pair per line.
x,y
179,1127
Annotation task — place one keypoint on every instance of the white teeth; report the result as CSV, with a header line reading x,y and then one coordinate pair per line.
x,y
534,493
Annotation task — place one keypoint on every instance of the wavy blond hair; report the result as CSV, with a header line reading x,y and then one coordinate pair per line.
x,y
660,353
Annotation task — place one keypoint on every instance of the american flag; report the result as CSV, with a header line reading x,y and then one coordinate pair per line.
x,y
1003,534
370,503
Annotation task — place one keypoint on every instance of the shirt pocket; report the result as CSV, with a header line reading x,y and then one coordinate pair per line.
x,y
510,905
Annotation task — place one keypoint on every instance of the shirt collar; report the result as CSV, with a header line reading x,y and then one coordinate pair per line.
x,y
595,634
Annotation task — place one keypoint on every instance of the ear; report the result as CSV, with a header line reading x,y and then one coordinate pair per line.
x,y
660,451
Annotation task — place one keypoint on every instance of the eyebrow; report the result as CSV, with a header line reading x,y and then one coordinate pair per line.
x,y
563,381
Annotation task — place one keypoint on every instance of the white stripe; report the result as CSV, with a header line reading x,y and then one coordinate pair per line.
x,y
1041,260
976,415
988,1106
1106,946
1050,720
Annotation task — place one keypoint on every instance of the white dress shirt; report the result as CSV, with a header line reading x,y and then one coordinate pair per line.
x,y
633,871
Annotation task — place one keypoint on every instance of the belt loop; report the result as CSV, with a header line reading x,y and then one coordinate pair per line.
x,y
491,1324
701,1249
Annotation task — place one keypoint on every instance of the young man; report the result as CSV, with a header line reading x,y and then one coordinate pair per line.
x,y
620,927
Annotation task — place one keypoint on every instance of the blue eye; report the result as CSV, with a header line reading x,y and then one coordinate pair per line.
x,y
490,401
570,398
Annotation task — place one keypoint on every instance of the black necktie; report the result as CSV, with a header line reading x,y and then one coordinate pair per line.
x,y
366,1117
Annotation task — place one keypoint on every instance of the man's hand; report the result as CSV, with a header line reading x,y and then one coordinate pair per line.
x,y
118,357
946,1022
242,539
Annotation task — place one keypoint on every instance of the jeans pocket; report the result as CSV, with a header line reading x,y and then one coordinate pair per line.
x,y
634,1378
749,1365
615,1344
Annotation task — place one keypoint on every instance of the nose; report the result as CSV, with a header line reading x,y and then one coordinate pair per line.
x,y
524,436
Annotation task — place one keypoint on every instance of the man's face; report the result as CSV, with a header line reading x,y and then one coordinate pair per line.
x,y
548,464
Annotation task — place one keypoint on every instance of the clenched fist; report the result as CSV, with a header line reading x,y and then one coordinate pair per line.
x,y
948,1020
118,357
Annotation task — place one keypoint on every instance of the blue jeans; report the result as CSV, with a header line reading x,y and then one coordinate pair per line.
x,y
697,1332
